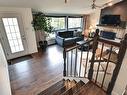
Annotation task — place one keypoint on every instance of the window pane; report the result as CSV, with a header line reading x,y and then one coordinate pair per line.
x,y
58,23
13,49
13,36
16,28
9,36
18,36
5,21
10,21
74,22
15,21
12,29
8,29
11,43
15,42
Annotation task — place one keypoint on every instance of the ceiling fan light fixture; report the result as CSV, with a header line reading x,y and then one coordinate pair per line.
x,y
110,4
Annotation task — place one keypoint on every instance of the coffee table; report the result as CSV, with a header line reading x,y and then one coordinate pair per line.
x,y
84,47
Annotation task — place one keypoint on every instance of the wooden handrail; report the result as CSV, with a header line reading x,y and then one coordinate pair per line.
x,y
106,41
67,49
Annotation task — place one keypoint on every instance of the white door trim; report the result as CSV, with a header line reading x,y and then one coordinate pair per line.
x,y
5,43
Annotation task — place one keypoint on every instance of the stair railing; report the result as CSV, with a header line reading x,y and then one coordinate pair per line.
x,y
74,61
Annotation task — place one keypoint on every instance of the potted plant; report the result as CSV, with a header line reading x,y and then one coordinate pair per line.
x,y
42,26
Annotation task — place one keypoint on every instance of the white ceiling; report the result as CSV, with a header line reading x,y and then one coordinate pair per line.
x,y
55,6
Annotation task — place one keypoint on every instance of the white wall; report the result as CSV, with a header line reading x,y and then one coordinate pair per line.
x,y
4,76
94,18
26,15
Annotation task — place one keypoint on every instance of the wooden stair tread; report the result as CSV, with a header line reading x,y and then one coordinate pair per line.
x,y
53,88
67,86
90,89
74,89
83,89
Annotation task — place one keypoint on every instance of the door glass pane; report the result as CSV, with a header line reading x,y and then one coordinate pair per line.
x,y
10,21
13,34
16,28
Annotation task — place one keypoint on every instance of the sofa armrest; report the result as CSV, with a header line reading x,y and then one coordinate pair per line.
x,y
59,40
58,37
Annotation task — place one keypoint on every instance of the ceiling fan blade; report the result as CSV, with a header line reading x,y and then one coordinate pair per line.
x,y
94,6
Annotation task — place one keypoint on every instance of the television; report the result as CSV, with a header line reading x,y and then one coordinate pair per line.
x,y
110,20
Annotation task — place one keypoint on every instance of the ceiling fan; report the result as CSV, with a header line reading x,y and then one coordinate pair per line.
x,y
94,5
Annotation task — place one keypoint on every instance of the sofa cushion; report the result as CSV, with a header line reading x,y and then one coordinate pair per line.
x,y
66,34
78,34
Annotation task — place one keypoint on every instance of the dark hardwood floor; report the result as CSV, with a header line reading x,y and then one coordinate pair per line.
x,y
33,75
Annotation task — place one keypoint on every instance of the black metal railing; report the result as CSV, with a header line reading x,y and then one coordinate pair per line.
x,y
73,58
100,64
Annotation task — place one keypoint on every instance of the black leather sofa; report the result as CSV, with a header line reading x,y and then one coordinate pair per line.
x,y
67,38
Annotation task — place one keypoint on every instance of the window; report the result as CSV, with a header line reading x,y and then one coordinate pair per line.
x,y
65,23
13,34
74,23
58,23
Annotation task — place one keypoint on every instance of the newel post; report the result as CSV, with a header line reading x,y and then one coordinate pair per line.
x,y
120,57
64,57
94,47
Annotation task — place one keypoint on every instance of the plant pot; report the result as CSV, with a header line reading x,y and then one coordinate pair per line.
x,y
43,45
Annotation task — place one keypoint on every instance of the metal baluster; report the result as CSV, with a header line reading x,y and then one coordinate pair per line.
x,y
99,62
64,56
67,63
75,63
80,60
86,61
71,62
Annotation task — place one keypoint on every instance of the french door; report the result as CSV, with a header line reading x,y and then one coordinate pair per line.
x,y
12,35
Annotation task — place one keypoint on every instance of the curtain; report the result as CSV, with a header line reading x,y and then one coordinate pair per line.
x,y
86,25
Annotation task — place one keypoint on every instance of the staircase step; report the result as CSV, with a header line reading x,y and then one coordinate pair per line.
x,y
90,89
67,86
54,87
84,89
74,89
